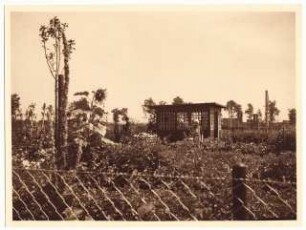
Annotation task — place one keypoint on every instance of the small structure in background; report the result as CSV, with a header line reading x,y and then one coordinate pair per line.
x,y
253,123
232,123
203,118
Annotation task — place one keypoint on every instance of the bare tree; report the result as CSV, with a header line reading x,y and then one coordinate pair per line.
x,y
58,50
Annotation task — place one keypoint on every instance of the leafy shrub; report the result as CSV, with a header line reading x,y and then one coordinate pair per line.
x,y
276,139
142,154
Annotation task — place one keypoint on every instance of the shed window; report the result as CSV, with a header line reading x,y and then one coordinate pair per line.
x,y
195,117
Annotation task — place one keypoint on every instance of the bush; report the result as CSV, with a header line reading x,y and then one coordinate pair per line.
x,y
277,139
140,153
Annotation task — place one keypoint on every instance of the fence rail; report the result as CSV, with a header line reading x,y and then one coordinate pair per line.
x,y
41,194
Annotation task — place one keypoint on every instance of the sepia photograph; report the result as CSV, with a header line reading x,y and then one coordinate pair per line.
x,y
152,113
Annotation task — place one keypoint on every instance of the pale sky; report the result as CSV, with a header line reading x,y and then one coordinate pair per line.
x,y
198,55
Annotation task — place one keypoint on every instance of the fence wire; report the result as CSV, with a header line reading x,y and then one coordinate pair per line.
x,y
40,194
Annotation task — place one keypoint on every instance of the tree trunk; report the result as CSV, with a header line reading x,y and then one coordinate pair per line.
x,y
61,122
61,143
64,102
56,137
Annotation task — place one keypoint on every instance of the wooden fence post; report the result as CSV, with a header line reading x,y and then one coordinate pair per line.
x,y
239,192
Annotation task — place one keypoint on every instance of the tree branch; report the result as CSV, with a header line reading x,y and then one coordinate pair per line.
x,y
46,56
56,55
59,54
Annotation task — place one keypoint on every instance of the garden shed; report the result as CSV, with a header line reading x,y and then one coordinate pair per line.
x,y
173,118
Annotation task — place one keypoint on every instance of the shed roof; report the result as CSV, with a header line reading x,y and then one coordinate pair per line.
x,y
188,106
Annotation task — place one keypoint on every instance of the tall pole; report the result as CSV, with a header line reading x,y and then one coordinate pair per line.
x,y
267,110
